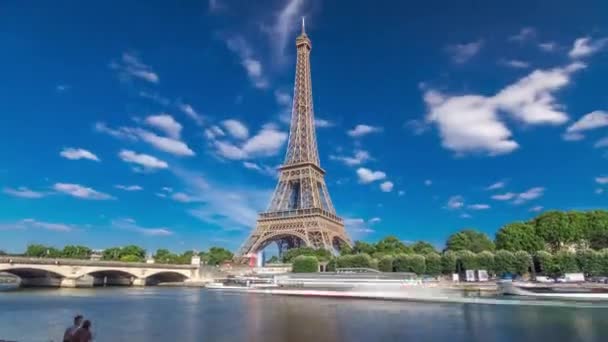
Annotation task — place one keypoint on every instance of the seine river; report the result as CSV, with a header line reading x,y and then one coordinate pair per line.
x,y
191,314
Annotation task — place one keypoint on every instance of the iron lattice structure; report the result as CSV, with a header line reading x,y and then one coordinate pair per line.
x,y
300,211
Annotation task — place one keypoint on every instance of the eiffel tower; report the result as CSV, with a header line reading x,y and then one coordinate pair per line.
x,y
300,212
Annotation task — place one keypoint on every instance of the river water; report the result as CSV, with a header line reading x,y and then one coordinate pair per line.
x,y
193,314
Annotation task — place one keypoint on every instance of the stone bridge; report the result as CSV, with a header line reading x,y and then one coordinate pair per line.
x,y
77,273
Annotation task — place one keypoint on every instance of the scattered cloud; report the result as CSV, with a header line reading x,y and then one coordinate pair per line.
x,y
286,24
387,186
601,143
599,191
267,142
495,186
361,130
358,158
236,128
169,145
478,206
130,67
357,227
78,153
593,120
213,132
375,220
55,227
401,193
60,88
504,197
585,46
263,169
601,180
128,187
165,123
126,133
183,197
191,113
155,97
252,66
525,34
428,182
548,46
79,191
367,176
322,123
465,215
417,127
515,63
24,192
131,225
461,53
471,124
455,202
529,195
537,208
146,161
282,98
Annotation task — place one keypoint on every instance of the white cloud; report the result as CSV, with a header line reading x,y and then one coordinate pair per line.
x,y
515,63
263,169
128,187
599,191
131,225
455,202
357,227
529,195
374,220
358,158
536,209
470,123
361,130
387,186
461,53
524,34
56,227
593,120
166,123
167,189
267,142
120,133
547,46
79,191
401,193
504,197
147,161
585,46
24,192
156,97
495,186
236,128
479,206
601,180
286,23
214,132
131,67
77,153
252,66
191,113
601,143
367,176
169,145
60,88
465,216
428,182
282,98
322,123
183,197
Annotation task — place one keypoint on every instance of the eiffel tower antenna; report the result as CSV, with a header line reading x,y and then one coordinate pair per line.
x,y
303,25
300,212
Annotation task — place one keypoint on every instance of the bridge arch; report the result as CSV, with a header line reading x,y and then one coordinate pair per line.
x,y
167,276
284,240
34,272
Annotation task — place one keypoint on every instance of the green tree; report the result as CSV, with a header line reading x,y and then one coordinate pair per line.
x,y
273,260
345,249
471,240
217,255
449,260
433,264
130,258
111,254
505,262
385,264
36,250
523,262
357,260
76,252
390,245
3,252
519,236
566,262
164,256
295,252
556,229
363,247
590,262
305,264
423,248
545,263
133,250
409,263
597,229
485,261
467,260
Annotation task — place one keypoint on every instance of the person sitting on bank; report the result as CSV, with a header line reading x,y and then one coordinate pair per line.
x,y
83,334
69,332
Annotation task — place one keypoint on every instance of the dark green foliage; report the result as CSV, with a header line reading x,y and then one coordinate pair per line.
x,y
423,247
448,262
589,262
305,264
566,262
363,247
519,236
504,262
392,246
467,260
111,254
523,262
356,260
321,254
76,252
273,260
558,229
410,263
485,261
544,263
216,255
385,264
130,258
433,264
332,265
345,249
597,229
470,240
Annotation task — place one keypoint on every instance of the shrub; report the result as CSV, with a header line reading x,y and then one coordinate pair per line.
x,y
433,264
523,262
544,263
504,262
590,262
410,263
305,264
356,260
130,258
485,261
385,264
566,262
467,260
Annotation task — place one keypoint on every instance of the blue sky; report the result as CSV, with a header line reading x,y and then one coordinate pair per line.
x,y
160,123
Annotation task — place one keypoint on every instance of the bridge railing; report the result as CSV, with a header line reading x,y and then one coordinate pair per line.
x,y
80,262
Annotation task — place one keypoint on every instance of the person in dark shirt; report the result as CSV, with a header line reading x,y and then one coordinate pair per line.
x,y
69,332
83,334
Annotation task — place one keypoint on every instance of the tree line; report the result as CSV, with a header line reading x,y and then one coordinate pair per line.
x,y
130,253
553,243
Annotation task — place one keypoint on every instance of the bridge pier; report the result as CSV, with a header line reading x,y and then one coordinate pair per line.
x,y
139,282
68,282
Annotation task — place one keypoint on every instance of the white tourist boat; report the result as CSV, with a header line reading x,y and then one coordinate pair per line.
x,y
542,291
242,284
